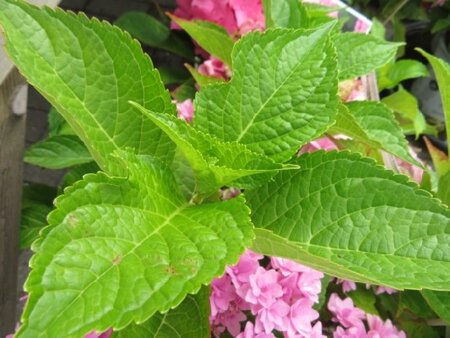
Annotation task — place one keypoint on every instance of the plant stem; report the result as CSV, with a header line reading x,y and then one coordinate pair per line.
x,y
395,11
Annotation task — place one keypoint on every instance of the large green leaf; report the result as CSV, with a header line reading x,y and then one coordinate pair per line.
x,y
439,302
76,64
58,152
190,319
211,37
120,249
216,163
442,72
353,219
282,94
359,54
380,125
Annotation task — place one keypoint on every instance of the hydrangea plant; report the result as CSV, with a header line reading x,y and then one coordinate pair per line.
x,y
140,248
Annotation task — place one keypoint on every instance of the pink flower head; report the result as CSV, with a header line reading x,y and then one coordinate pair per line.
x,y
262,288
236,16
323,143
362,26
247,266
249,15
347,285
287,266
380,329
271,317
352,332
301,315
231,320
384,289
105,334
185,110
309,285
215,68
249,332
219,12
344,312
222,294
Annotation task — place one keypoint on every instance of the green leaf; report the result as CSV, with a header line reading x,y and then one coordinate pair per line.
x,y
143,27
171,75
120,249
88,79
185,91
215,163
33,220
393,73
377,29
406,104
285,14
189,319
58,152
76,174
211,37
413,302
343,215
36,204
444,188
359,54
440,160
380,125
364,299
281,96
439,302
347,124
442,72
57,125
415,329
154,33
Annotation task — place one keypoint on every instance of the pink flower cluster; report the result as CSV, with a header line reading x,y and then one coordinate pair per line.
x,y
351,321
279,297
236,16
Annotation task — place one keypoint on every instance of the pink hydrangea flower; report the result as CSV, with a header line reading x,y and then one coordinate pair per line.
x,y
222,294
347,285
301,315
236,16
352,332
380,329
263,288
215,68
249,15
249,332
344,312
105,334
323,143
185,110
384,289
247,266
219,12
273,316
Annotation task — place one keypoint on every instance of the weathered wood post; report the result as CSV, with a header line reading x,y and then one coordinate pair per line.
x,y
13,103
13,106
